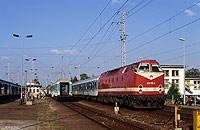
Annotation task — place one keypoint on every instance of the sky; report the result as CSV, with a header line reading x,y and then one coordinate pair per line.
x,y
68,34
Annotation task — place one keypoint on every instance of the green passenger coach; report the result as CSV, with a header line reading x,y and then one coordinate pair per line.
x,y
62,88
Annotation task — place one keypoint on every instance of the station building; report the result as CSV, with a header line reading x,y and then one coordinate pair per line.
x,y
193,85
34,88
175,74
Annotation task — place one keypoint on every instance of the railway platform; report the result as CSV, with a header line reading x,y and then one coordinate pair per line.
x,y
44,114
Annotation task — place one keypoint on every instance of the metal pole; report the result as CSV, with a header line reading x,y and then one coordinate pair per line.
x,y
62,76
184,71
182,39
79,78
123,38
8,71
22,80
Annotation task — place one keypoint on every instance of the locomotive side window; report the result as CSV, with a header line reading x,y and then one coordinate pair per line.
x,y
155,67
133,67
144,67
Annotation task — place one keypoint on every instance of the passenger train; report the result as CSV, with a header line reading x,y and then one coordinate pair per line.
x,y
138,85
61,89
8,89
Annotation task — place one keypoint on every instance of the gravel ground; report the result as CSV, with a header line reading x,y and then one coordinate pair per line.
x,y
155,118
45,114
15,116
48,114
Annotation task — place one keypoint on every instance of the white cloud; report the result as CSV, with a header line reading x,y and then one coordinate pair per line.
x,y
198,4
4,57
56,51
190,13
71,52
115,1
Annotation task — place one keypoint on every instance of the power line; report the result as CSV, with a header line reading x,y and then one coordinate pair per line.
x,y
161,36
140,8
160,53
97,33
91,24
132,14
181,56
161,23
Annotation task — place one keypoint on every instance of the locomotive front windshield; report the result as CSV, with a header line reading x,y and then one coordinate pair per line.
x,y
155,67
145,67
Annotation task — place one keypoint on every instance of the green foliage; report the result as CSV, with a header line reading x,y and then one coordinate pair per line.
x,y
192,73
73,80
84,76
173,91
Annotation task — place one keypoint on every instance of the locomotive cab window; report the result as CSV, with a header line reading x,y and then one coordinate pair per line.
x,y
144,67
155,68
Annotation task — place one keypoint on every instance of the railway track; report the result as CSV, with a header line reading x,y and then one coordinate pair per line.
x,y
109,121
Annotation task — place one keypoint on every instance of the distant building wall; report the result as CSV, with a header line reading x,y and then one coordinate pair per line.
x,y
173,74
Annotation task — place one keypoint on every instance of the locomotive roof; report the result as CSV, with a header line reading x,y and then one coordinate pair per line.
x,y
118,70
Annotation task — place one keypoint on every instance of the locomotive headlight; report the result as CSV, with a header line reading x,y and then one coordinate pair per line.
x,y
140,88
160,88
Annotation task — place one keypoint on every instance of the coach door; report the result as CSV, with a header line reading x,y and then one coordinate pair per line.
x,y
64,89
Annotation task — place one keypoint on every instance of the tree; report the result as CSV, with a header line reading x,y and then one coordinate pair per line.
x,y
173,91
84,76
192,73
73,80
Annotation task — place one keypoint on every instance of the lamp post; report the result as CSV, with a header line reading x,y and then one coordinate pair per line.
x,y
182,39
78,76
32,67
22,81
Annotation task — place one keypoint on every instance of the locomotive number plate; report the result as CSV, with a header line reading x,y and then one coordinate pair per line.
x,y
151,82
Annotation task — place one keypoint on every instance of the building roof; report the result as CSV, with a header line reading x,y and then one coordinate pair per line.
x,y
171,66
192,78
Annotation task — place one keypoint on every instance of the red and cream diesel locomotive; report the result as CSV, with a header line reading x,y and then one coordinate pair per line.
x,y
139,85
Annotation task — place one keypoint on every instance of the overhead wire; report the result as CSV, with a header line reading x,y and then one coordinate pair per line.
x,y
164,52
109,27
152,28
91,24
161,36
97,33
140,8
97,49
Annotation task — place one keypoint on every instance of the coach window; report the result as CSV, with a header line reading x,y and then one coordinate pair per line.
x,y
117,79
122,78
112,80
144,67
109,80
105,81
